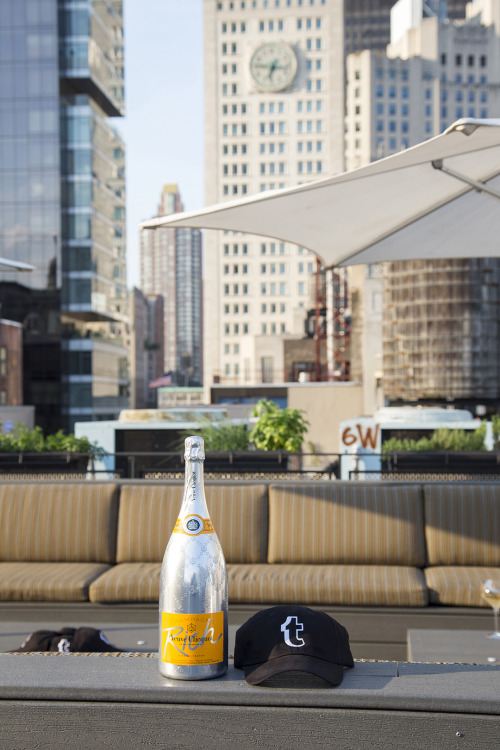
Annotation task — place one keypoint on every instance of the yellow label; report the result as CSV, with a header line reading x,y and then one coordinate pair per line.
x,y
193,525
192,639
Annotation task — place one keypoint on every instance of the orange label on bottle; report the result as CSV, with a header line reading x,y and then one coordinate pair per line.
x,y
193,525
192,639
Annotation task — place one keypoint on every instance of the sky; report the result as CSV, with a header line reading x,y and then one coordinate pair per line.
x,y
163,128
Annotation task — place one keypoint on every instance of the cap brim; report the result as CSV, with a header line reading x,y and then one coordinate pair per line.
x,y
332,673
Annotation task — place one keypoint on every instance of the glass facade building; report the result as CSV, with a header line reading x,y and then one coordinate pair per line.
x,y
62,203
171,266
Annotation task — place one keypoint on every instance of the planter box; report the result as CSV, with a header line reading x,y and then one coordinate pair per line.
x,y
43,463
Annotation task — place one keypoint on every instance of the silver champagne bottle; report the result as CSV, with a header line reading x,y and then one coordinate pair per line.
x,y
193,585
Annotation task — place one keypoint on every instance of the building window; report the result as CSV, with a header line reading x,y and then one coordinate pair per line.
x,y
267,366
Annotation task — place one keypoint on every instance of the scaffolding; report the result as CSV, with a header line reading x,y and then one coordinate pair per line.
x,y
441,330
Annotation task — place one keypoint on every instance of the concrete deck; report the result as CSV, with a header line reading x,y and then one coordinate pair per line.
x,y
88,701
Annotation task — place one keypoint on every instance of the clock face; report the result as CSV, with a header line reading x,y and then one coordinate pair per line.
x,y
273,66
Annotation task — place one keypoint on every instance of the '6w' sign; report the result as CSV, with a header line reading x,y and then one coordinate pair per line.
x,y
355,434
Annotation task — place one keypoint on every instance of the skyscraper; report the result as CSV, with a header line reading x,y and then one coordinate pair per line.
x,y
274,93
62,203
170,261
146,350
367,23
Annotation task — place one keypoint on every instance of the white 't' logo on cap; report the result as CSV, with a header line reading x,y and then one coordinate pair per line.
x,y
290,629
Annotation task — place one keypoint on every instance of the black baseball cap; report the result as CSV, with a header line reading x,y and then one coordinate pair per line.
x,y
292,638
67,640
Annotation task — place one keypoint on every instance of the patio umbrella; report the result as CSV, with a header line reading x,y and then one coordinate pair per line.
x,y
429,201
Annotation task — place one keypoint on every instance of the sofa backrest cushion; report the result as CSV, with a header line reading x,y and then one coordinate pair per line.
x,y
346,523
462,523
148,513
58,522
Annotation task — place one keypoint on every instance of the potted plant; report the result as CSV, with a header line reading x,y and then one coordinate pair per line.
x,y
278,429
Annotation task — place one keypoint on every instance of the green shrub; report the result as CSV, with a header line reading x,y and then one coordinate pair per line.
x,y
278,429
495,421
223,436
442,439
23,439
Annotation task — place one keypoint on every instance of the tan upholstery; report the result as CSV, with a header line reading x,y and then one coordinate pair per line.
x,y
362,585
58,522
336,543
357,523
146,518
128,582
462,524
148,514
459,586
47,582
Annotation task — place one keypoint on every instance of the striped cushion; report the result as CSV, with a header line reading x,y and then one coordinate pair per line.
x,y
128,582
49,582
363,585
58,522
463,524
302,584
459,586
352,523
148,514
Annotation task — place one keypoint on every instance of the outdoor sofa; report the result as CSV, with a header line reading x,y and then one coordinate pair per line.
x,y
406,554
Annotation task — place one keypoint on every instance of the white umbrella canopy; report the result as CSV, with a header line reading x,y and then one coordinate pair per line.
x,y
403,207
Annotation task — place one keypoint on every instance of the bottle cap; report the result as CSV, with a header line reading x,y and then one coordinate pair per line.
x,y
194,448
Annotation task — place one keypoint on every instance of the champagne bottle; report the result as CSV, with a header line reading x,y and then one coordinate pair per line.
x,y
193,585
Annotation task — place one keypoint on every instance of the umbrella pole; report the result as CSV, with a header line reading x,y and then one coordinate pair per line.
x,y
330,303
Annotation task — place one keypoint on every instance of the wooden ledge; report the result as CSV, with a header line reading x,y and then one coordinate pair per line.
x,y
121,702
134,678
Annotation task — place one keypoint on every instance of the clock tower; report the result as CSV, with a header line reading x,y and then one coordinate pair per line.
x,y
274,117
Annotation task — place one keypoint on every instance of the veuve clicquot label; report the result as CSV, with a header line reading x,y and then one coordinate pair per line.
x,y
193,525
192,639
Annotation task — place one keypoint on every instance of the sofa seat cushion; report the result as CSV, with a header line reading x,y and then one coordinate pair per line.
x,y
359,585
49,582
459,585
148,514
356,523
127,582
462,524
58,522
